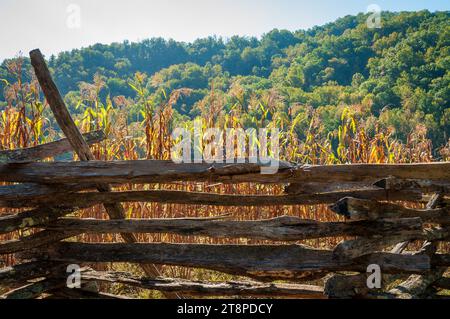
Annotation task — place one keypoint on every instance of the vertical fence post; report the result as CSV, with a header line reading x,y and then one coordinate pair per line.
x,y
79,145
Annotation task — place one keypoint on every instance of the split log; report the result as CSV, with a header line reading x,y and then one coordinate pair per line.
x,y
283,228
88,199
359,172
157,171
325,187
38,239
360,209
23,193
265,262
434,202
32,218
12,275
428,186
58,107
79,145
353,248
34,290
340,286
47,150
120,172
202,288
363,209
416,285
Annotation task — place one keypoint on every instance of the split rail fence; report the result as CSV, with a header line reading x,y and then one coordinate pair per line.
x,y
379,203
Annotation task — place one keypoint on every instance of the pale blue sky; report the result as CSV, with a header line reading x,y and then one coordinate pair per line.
x,y
28,24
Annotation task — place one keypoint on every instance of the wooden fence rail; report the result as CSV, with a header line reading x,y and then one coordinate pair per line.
x,y
371,217
289,262
378,206
278,229
87,199
43,151
156,171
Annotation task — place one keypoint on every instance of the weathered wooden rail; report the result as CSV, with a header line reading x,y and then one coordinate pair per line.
x,y
378,201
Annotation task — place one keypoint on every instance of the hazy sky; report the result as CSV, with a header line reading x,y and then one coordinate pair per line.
x,y
58,25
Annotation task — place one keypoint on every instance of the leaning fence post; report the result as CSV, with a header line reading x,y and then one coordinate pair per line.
x,y
79,145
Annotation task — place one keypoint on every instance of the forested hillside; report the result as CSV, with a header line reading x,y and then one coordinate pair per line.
x,y
397,76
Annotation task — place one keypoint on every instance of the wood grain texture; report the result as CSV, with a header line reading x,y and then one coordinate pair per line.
x,y
43,151
34,289
346,286
157,171
265,262
87,199
416,285
326,187
32,218
58,107
38,239
11,276
283,228
429,186
202,288
365,209
20,194
353,248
